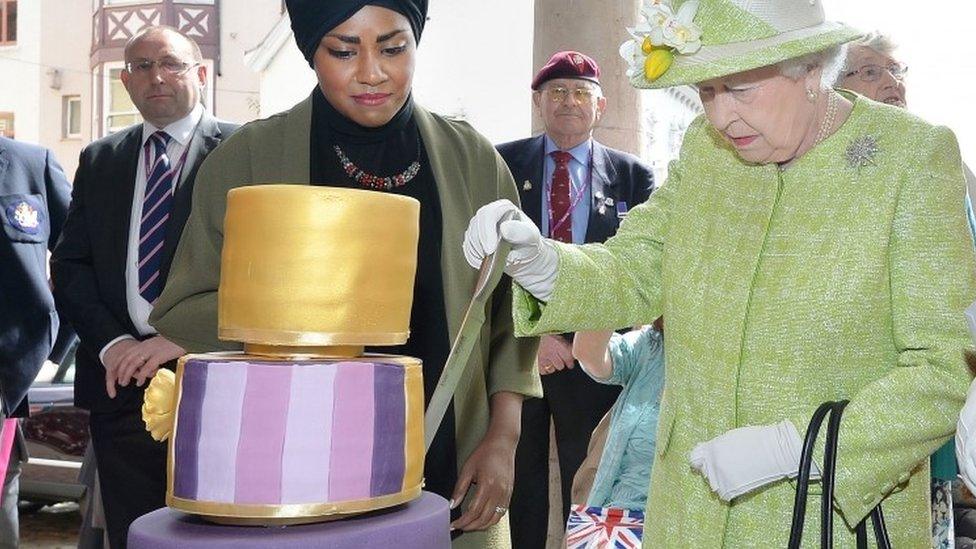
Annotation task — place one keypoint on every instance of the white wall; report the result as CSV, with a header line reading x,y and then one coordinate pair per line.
x,y
286,81
475,61
65,46
936,41
242,27
20,73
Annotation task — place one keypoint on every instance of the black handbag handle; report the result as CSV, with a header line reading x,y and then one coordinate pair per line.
x,y
834,410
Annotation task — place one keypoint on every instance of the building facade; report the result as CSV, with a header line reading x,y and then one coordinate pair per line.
x,y
60,65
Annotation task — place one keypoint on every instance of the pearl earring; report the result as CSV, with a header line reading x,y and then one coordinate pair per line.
x,y
811,95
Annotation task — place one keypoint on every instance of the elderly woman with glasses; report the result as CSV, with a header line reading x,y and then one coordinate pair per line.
x,y
871,70
808,246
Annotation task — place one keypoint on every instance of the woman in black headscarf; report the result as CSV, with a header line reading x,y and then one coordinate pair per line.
x,y
360,128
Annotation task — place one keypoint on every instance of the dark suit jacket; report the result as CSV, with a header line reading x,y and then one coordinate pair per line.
x,y
88,265
616,175
33,203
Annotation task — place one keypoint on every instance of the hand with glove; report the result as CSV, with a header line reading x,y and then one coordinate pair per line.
x,y
533,261
747,458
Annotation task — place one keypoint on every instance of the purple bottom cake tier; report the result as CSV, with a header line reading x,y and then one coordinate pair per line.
x,y
424,523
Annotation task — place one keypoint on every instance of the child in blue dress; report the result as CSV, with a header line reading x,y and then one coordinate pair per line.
x,y
634,360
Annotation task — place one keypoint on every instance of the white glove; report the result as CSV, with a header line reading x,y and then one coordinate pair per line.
x,y
965,441
532,262
744,459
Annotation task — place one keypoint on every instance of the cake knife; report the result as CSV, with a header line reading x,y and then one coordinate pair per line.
x,y
489,274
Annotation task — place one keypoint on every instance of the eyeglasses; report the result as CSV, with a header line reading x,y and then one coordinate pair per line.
x,y
171,67
558,94
872,73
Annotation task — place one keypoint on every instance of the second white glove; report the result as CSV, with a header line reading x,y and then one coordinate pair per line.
x,y
747,458
532,262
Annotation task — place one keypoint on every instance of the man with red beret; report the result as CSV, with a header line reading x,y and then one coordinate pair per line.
x,y
576,190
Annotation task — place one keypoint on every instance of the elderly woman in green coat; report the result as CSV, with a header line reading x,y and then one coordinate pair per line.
x,y
808,246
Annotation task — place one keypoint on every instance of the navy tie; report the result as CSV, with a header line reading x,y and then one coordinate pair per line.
x,y
155,213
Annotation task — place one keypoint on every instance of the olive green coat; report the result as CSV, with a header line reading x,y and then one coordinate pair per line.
x,y
844,276
469,174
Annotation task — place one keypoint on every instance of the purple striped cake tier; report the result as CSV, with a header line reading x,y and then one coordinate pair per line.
x,y
285,441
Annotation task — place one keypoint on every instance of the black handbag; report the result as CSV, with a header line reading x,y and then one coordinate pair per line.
x,y
834,409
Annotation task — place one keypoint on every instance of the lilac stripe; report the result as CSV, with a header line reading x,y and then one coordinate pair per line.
x,y
352,432
152,279
389,460
305,469
150,231
188,430
262,435
155,180
164,198
167,174
157,176
220,431
150,254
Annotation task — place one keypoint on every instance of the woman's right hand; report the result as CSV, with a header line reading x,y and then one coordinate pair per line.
x,y
532,262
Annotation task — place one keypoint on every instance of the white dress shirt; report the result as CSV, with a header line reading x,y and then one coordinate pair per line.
x,y
181,132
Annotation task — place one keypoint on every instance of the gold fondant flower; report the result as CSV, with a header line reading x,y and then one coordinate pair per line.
x,y
159,404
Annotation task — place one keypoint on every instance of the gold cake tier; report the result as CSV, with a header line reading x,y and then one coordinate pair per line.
x,y
317,266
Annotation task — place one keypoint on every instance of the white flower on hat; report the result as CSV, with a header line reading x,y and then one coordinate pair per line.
x,y
632,54
659,35
667,28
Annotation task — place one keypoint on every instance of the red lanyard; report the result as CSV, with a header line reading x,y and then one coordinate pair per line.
x,y
574,201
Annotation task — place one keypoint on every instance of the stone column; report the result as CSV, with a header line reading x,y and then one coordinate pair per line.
x,y
596,28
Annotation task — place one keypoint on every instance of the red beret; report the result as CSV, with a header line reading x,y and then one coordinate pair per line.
x,y
568,64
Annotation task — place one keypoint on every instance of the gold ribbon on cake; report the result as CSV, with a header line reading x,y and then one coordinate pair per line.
x,y
288,514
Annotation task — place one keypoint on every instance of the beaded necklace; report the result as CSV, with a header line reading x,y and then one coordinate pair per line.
x,y
377,182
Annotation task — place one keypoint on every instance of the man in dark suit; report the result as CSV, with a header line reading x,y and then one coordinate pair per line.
x,y
33,203
576,190
130,201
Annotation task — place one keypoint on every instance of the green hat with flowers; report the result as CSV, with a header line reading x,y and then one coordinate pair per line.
x,y
680,42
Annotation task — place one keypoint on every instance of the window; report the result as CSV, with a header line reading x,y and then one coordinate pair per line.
x,y
7,124
120,113
8,22
71,117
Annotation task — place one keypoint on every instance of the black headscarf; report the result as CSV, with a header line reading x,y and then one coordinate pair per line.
x,y
313,19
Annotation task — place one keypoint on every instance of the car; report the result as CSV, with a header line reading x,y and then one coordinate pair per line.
x,y
57,434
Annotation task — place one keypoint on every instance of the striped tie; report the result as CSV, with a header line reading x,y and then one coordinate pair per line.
x,y
155,213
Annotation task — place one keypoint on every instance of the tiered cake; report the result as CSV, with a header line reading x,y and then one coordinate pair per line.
x,y
302,427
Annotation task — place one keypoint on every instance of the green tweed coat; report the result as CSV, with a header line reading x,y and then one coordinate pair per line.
x,y
843,276
469,174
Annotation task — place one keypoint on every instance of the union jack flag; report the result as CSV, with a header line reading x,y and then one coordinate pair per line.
x,y
603,528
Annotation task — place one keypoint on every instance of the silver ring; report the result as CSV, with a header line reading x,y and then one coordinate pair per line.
x,y
501,510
